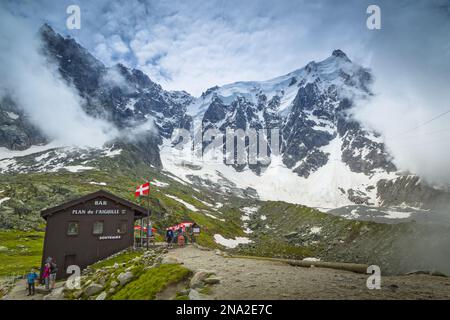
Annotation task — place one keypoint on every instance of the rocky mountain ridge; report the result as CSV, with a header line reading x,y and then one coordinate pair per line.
x,y
327,159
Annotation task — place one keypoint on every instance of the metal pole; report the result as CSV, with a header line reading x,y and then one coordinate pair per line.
x,y
142,230
148,212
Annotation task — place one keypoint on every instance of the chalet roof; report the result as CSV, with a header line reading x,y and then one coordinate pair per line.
x,y
138,210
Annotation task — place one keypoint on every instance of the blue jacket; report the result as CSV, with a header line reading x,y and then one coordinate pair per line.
x,y
31,277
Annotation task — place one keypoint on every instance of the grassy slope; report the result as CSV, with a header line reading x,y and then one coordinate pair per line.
x,y
24,251
339,239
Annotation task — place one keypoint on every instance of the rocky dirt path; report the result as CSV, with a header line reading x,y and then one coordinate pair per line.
x,y
261,279
20,292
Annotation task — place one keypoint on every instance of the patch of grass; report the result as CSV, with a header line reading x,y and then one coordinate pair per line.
x,y
181,297
205,290
24,251
151,282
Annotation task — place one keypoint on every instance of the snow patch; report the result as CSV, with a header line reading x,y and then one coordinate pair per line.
x,y
248,212
397,214
75,168
231,243
311,259
4,200
12,115
159,183
187,205
6,153
279,183
98,183
204,202
112,153
213,217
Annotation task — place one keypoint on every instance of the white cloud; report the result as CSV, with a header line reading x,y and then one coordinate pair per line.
x,y
118,45
37,87
410,60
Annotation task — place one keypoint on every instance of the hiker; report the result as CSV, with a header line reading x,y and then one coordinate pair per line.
x,y
53,271
174,236
46,275
31,278
186,235
191,234
181,238
169,237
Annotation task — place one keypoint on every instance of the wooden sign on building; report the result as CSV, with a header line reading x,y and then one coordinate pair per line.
x,y
88,229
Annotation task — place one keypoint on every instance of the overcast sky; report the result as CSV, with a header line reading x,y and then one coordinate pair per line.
x,y
193,45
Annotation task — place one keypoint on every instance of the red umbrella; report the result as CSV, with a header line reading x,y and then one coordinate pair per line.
x,y
143,228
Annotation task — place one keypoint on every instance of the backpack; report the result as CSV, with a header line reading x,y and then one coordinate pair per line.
x,y
53,267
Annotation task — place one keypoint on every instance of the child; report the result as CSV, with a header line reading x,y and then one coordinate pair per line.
x,y
31,278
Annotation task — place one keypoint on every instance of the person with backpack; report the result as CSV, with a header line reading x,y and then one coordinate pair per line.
x,y
169,237
31,278
46,275
53,272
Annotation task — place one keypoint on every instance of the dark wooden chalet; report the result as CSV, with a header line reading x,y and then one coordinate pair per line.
x,y
85,230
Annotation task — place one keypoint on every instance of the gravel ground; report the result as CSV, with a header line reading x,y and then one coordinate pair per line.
x,y
261,279
243,279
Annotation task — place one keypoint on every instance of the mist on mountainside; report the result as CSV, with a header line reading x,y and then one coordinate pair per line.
x,y
36,86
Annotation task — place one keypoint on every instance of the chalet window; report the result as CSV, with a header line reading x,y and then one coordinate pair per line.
x,y
98,227
122,227
72,228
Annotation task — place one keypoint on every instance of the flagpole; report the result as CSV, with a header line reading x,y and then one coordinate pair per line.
x,y
148,212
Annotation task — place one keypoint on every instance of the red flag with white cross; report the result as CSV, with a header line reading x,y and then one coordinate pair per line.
x,y
142,189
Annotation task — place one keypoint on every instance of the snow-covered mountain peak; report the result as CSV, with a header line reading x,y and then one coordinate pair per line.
x,y
338,53
337,71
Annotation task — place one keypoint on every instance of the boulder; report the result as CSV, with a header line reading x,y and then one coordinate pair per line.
x,y
92,289
101,296
199,277
101,281
114,284
170,260
116,265
3,249
125,277
212,280
77,294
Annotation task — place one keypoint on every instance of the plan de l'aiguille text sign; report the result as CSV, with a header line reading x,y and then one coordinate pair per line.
x,y
98,207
